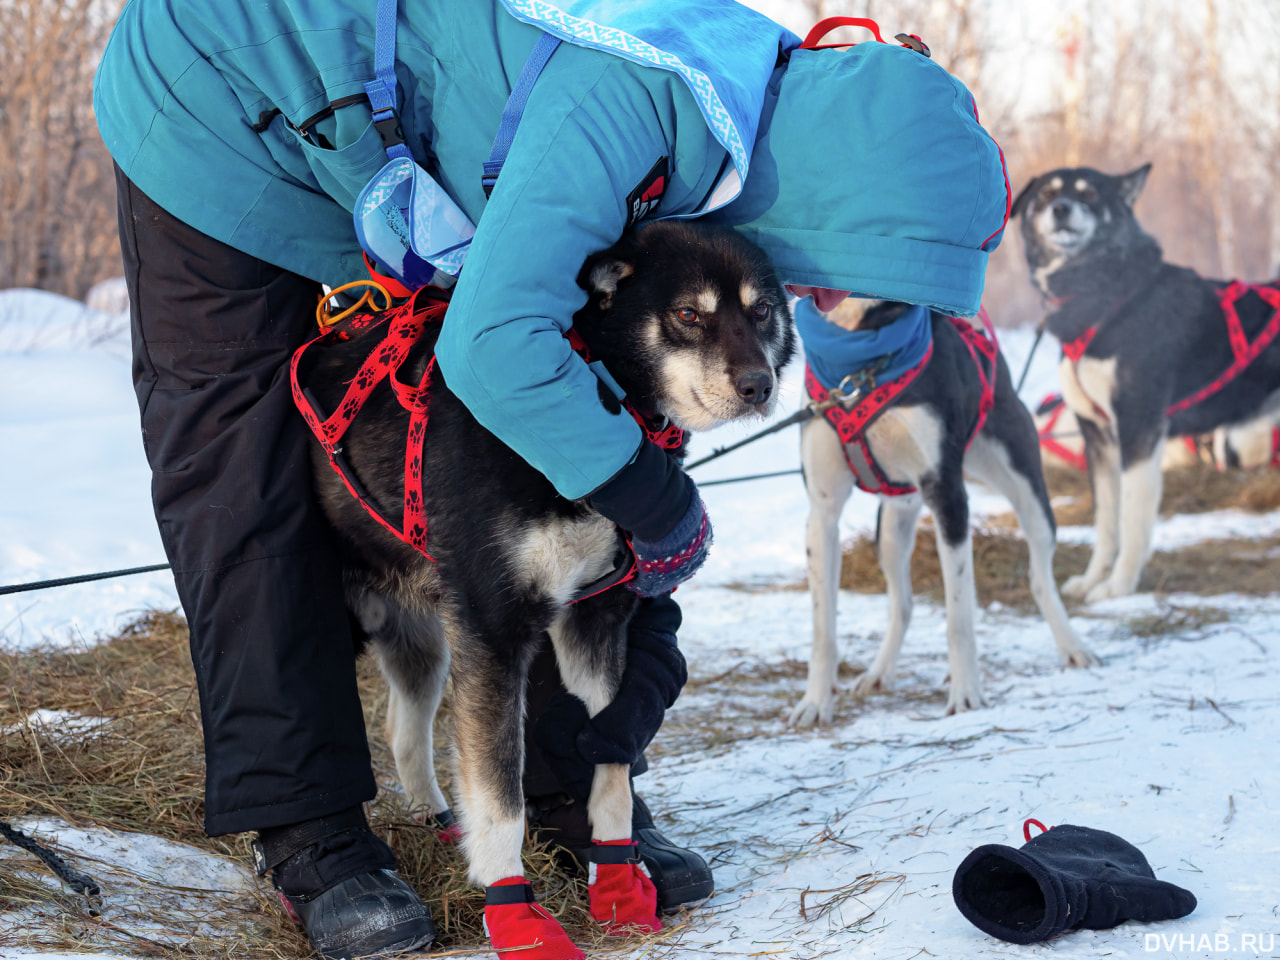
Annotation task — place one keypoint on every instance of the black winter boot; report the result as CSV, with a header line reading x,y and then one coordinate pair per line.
x,y
1066,878
338,880
679,875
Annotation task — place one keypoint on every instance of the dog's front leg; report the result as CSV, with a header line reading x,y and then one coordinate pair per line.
x,y
590,645
945,494
1141,484
829,482
1103,455
895,542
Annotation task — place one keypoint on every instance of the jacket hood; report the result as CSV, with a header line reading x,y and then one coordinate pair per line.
x,y
871,174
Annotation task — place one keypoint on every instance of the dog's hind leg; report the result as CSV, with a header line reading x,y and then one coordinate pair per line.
x,y
414,660
895,542
828,481
1141,484
1103,455
1016,474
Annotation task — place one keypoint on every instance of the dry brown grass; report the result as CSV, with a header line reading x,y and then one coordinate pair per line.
x,y
1001,567
143,772
1194,489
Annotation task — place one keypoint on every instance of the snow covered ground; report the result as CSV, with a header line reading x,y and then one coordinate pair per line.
x,y
839,842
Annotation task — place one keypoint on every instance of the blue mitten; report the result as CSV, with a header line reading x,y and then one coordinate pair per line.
x,y
664,564
658,505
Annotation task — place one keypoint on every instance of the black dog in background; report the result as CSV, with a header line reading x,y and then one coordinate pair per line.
x,y
1148,352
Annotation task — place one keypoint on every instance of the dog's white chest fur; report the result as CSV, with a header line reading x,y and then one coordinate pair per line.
x,y
1087,388
905,442
558,557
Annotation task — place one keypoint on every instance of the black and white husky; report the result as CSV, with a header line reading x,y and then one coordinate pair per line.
x,y
689,322
920,441
1148,352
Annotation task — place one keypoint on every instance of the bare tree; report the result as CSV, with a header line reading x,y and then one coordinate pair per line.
x,y
57,210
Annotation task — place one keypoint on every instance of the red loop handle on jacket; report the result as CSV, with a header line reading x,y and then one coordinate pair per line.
x,y
1026,828
823,27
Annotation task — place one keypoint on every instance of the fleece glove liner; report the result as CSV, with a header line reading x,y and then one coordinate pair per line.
x,y
1065,879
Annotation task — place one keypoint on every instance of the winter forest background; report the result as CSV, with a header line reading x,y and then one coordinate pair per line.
x,y
1191,86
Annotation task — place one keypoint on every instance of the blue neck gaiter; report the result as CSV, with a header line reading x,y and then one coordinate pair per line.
x,y
833,352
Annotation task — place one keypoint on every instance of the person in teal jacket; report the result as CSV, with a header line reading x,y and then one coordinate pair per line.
x,y
242,137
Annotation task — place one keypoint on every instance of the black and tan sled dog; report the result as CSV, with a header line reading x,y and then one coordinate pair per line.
x,y
512,561
912,440
1150,351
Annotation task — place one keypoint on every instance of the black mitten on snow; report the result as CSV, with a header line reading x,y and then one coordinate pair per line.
x,y
1066,878
573,743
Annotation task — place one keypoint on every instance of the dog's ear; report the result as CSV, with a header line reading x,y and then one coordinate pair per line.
x,y
603,271
1131,184
1022,199
603,277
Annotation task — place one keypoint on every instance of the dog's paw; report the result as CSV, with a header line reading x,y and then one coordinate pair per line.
x,y
1079,656
1078,586
1108,589
871,682
811,713
965,697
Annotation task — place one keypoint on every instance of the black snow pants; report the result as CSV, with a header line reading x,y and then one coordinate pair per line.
x,y
256,567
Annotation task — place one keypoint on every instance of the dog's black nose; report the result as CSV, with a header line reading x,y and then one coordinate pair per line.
x,y
1061,210
755,386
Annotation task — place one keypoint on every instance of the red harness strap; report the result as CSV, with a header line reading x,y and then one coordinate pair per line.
x,y
668,436
405,324
986,345
1244,351
851,423
1060,450
1074,349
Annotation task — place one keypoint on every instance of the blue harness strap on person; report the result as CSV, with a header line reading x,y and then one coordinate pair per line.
x,y
511,113
404,220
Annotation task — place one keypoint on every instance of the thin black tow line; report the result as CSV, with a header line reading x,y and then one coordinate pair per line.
x,y
81,883
83,578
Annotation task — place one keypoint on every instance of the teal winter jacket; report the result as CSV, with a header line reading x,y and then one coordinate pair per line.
x,y
861,169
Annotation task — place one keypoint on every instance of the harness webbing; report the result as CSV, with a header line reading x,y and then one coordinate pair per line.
x,y
1243,351
851,423
1054,446
1074,349
405,324
666,435
980,343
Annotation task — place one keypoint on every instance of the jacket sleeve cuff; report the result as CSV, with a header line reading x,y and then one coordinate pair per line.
x,y
648,496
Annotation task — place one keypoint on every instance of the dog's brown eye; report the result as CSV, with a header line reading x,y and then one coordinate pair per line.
x,y
687,315
1089,195
761,310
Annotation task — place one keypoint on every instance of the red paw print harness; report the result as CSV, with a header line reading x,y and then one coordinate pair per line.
x,y
869,399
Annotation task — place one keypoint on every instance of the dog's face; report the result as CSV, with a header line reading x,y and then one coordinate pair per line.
x,y
1069,213
691,321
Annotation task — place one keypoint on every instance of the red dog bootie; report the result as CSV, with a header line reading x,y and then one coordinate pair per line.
x,y
515,923
623,898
